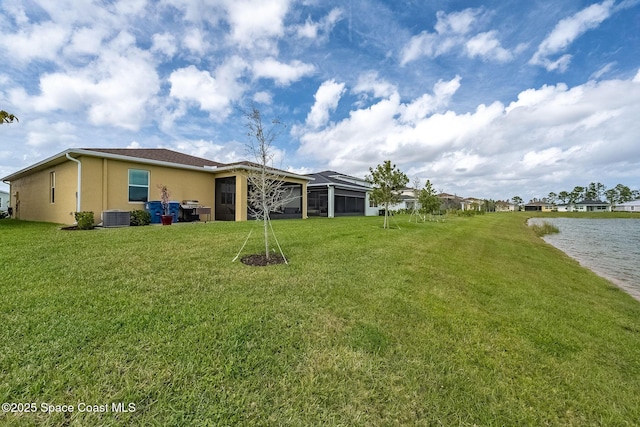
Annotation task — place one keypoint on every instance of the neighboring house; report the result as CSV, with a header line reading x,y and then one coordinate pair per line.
x,y
98,180
332,194
505,206
564,208
538,206
4,201
450,201
633,206
472,203
592,206
407,200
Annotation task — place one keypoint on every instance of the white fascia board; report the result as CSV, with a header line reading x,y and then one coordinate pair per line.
x,y
257,169
340,185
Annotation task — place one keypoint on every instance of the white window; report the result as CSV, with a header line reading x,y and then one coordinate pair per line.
x,y
138,185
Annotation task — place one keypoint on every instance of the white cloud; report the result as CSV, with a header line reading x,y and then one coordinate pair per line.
x,y
254,23
115,88
327,97
427,104
40,41
451,30
164,43
454,30
456,22
316,30
487,47
555,131
282,74
602,71
86,41
194,41
263,97
212,94
370,82
42,133
223,153
191,84
566,32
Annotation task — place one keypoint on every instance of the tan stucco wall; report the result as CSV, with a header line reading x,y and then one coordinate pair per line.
x,y
33,195
105,184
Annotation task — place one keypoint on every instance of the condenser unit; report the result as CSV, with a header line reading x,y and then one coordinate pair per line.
x,y
115,218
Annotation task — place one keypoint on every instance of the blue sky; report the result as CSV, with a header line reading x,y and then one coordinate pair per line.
x,y
492,101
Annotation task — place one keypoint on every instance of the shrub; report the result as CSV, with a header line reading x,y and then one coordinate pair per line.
x,y
140,217
84,220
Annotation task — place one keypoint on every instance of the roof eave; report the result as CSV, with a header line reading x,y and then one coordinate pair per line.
x,y
83,152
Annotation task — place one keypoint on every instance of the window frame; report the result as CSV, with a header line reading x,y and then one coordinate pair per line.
x,y
130,185
52,187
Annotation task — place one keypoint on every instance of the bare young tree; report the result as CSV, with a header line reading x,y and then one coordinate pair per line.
x,y
267,191
415,211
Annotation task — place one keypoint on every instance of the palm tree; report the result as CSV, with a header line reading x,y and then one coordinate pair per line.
x,y
7,118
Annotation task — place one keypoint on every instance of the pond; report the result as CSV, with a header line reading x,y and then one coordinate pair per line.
x,y
608,247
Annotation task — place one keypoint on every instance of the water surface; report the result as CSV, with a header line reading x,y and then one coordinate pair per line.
x,y
608,247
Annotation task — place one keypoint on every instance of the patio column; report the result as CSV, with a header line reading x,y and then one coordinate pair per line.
x,y
303,193
331,197
242,194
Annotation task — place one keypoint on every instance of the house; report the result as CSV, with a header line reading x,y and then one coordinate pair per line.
x,y
632,206
592,206
408,200
505,206
472,203
450,201
4,201
332,194
564,208
538,206
99,180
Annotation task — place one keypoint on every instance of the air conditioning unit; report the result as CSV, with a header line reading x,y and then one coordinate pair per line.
x,y
115,218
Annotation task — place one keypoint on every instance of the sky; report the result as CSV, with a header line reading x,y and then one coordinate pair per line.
x,y
490,99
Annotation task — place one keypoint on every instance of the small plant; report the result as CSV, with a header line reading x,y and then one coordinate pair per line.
x,y
139,217
164,198
544,229
84,220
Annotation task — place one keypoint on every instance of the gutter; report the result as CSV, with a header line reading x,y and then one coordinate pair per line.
x,y
79,180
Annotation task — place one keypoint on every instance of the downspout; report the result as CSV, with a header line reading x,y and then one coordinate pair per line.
x,y
79,180
10,195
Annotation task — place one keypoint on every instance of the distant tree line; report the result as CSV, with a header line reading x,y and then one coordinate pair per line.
x,y
594,191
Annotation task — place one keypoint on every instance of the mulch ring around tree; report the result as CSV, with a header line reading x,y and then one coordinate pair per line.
x,y
261,260
74,228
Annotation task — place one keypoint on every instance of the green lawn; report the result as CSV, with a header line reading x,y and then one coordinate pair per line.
x,y
471,321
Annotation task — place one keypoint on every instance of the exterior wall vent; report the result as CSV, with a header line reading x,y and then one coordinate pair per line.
x,y
115,218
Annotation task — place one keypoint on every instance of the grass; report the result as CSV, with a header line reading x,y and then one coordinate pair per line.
x,y
471,321
544,228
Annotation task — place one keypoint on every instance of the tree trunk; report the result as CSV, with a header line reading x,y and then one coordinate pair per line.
x,y
266,236
386,213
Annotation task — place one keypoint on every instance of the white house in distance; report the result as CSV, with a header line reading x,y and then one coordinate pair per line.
x,y
632,206
592,206
4,201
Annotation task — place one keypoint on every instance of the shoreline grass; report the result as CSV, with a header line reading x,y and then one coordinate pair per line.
x,y
468,321
544,229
